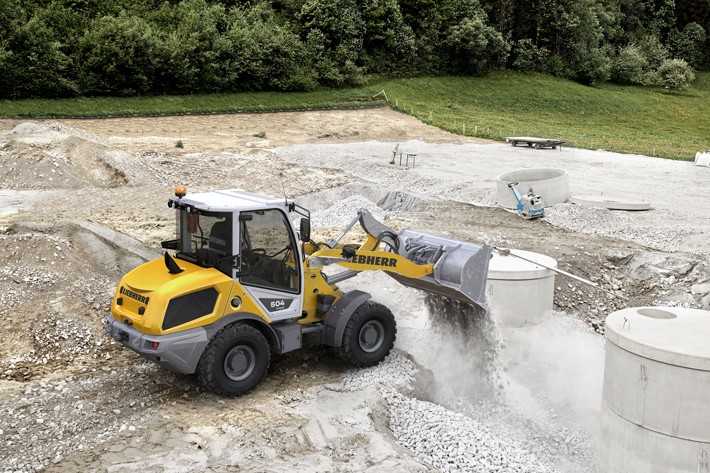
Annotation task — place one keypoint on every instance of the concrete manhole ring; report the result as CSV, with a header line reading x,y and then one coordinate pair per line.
x,y
551,184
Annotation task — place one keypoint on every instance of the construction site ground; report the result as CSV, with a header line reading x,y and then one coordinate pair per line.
x,y
83,201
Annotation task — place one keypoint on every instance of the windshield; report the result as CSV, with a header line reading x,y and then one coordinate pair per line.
x,y
205,238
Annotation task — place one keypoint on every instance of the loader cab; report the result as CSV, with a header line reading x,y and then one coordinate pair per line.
x,y
247,237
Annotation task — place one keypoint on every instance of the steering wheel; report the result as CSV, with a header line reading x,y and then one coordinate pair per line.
x,y
251,257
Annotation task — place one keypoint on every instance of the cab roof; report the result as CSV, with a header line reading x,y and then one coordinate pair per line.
x,y
230,200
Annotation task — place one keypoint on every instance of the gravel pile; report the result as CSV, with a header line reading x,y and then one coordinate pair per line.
x,y
63,338
397,370
342,212
55,341
51,156
452,442
29,277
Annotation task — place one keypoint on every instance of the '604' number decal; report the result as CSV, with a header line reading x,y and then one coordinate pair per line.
x,y
276,304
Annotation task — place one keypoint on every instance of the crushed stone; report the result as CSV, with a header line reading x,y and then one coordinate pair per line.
x,y
453,442
615,224
397,370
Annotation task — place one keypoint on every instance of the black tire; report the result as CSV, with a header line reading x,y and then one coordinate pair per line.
x,y
369,317
235,361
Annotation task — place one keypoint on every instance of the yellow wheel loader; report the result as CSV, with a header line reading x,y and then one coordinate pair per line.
x,y
244,284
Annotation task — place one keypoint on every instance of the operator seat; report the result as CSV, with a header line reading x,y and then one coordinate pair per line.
x,y
219,244
219,238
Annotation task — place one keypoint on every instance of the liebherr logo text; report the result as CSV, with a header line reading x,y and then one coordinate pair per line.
x,y
134,295
375,260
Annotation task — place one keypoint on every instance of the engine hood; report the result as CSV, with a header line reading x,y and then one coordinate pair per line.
x,y
153,275
146,291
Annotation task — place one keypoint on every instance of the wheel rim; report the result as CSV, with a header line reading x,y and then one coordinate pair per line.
x,y
371,336
239,362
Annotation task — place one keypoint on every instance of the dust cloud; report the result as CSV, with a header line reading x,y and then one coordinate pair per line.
x,y
557,364
540,383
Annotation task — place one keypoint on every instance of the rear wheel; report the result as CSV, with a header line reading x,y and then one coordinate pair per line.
x,y
369,335
235,361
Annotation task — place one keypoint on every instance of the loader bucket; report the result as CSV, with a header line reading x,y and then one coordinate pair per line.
x,y
460,268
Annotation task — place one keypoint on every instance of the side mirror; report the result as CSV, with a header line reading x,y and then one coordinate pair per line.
x,y
305,230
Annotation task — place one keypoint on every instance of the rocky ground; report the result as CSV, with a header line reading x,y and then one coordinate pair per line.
x,y
513,401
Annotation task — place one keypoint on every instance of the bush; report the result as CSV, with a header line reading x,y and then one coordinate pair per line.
x,y
475,47
675,74
630,66
557,66
529,57
592,66
116,57
654,52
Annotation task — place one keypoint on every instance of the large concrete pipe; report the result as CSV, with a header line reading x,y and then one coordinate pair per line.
x,y
656,399
521,293
551,184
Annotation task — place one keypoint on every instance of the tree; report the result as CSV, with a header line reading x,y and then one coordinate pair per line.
x,y
475,47
388,42
335,32
116,56
33,63
689,44
264,54
188,41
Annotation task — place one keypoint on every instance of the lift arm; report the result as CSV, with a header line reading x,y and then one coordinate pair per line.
x,y
455,269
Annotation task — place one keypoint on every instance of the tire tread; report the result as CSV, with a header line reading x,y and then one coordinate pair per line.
x,y
209,363
346,351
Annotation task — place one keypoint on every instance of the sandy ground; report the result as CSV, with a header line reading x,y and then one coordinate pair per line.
x,y
226,132
71,400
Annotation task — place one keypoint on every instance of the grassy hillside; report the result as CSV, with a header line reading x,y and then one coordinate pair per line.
x,y
626,119
107,107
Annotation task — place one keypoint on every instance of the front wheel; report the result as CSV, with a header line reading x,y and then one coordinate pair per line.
x,y
369,335
235,361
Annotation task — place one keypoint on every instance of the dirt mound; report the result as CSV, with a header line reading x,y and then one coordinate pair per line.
x,y
46,156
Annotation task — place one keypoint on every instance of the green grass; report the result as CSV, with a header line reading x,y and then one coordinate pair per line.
x,y
106,107
625,119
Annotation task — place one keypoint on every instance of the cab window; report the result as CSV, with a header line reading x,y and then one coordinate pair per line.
x,y
205,238
269,255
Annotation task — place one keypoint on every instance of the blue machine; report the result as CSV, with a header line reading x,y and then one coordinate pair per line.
x,y
530,205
